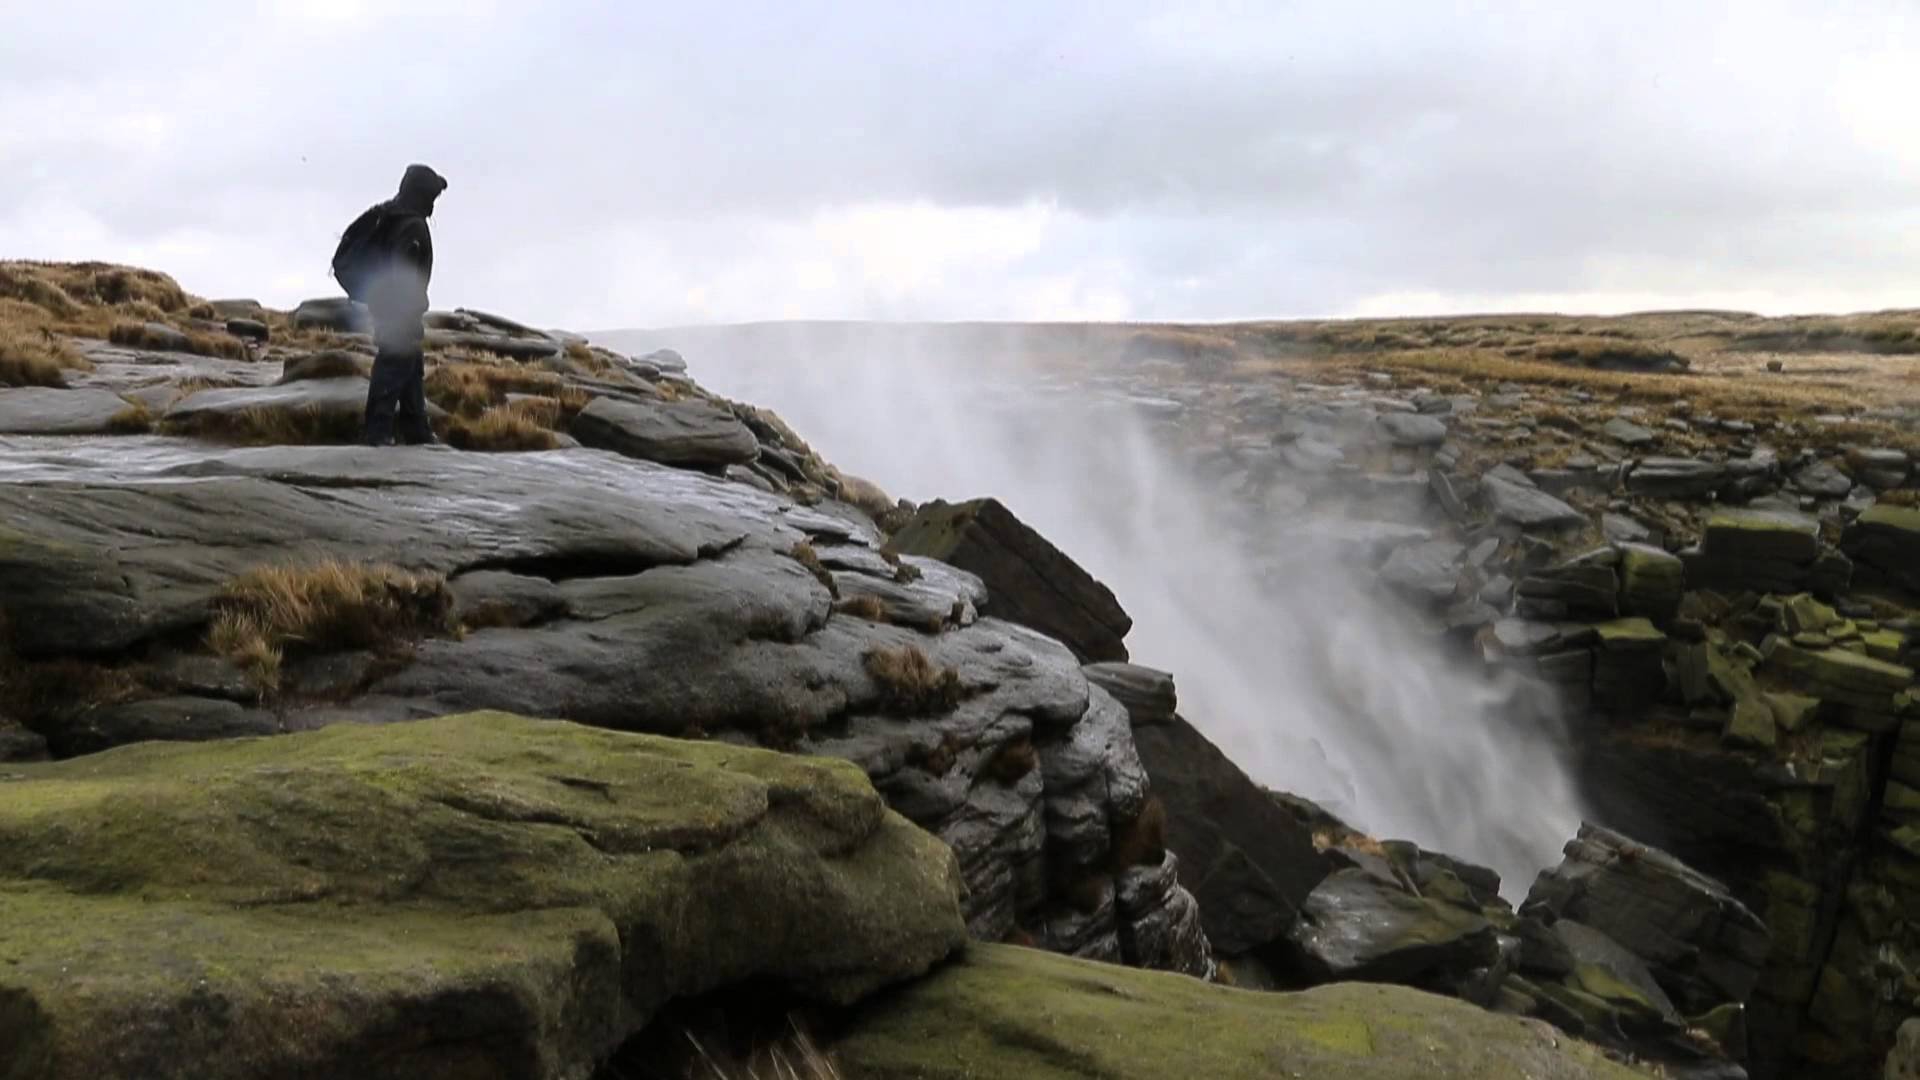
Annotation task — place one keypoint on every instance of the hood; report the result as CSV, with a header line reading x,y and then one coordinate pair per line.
x,y
418,188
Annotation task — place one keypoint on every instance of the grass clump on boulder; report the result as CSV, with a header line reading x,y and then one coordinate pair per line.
x,y
163,338
326,364
466,385
910,683
34,357
322,607
864,606
501,428
135,419
304,426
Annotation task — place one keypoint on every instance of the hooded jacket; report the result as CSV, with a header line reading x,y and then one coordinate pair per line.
x,y
397,296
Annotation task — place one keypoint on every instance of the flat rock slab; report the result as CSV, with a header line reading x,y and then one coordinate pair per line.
x,y
1626,432
1761,534
174,719
1403,429
1249,862
105,549
516,346
1427,570
346,394
684,434
1823,480
1354,926
1028,580
39,410
1702,945
481,895
1146,693
1676,478
1529,507
1002,1011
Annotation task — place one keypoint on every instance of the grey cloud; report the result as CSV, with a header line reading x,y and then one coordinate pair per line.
x,y
1204,160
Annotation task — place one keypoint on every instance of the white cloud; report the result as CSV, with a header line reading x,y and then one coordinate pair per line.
x,y
624,164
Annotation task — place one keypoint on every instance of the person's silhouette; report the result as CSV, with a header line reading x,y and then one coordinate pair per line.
x,y
394,249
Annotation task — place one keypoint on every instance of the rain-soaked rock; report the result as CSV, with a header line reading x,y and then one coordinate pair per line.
x,y
1250,863
1704,947
1528,507
686,434
1822,479
1160,924
1884,542
1028,580
1426,571
173,719
1626,432
39,410
1676,478
340,403
1765,550
1651,582
1146,693
333,313
1354,926
623,594
1408,429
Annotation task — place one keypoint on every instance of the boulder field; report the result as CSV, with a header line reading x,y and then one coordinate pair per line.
x,y
320,760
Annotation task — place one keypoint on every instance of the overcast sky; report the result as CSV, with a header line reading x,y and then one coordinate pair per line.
x,y
644,164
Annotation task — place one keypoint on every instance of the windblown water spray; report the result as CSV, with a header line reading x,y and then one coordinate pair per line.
x,y
1285,655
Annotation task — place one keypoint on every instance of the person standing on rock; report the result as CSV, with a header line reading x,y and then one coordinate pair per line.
x,y
384,261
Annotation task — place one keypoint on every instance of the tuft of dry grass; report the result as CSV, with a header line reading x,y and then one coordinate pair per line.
x,y
321,607
469,387
804,554
34,357
719,1044
1326,838
865,606
1142,841
501,429
910,683
1632,355
75,291
147,335
306,426
796,1057
588,357
135,419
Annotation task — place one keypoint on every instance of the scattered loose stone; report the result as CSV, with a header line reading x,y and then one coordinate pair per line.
x,y
1626,432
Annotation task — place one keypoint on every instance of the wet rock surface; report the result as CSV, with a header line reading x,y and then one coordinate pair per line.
x,y
529,892
1722,603
1033,582
51,411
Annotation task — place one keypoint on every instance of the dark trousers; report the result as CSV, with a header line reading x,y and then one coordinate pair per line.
x,y
398,386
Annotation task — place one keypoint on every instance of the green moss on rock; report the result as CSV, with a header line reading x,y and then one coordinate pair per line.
x,y
1002,1011
476,896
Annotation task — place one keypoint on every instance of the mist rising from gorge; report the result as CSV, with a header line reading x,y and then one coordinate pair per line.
x,y
1286,653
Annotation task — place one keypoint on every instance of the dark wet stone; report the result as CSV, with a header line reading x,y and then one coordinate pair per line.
x,y
687,434
38,410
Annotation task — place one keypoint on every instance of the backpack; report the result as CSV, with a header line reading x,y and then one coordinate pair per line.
x,y
361,252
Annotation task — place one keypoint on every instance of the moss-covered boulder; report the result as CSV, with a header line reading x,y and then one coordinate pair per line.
x,y
1002,1011
475,896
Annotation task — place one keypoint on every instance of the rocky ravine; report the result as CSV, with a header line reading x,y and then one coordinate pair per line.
x,y
392,881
